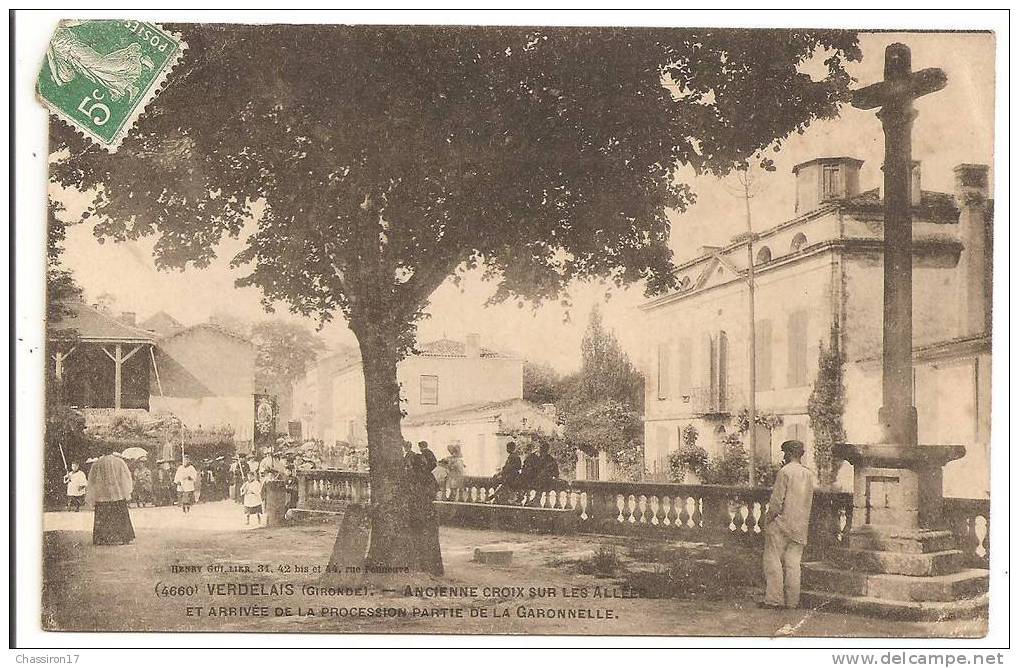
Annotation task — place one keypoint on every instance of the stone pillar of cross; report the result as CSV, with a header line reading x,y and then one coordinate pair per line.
x,y
894,96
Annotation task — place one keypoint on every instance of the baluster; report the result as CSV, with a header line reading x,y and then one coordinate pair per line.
x,y
655,507
584,499
631,515
742,513
682,516
666,502
754,522
968,541
983,534
621,505
696,514
641,513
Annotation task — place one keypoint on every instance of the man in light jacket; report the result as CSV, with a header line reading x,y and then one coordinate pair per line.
x,y
786,527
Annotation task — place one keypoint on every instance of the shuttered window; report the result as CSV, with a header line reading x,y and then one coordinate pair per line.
x,y
797,366
831,182
429,390
684,366
764,354
663,371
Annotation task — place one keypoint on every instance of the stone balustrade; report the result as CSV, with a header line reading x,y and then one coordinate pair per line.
x,y
666,511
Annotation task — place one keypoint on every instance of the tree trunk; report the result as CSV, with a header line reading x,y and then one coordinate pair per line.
x,y
388,546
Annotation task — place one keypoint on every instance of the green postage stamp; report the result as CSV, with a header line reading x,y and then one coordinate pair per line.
x,y
99,75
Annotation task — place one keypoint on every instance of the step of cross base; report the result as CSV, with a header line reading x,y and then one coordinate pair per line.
x,y
819,576
901,540
930,611
897,563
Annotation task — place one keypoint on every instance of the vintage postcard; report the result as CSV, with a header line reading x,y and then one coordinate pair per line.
x,y
435,329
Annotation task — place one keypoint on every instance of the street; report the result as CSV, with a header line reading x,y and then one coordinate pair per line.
x,y
202,572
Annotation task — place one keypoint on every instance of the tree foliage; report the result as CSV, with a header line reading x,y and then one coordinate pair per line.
x,y
388,157
826,406
613,428
285,352
606,371
542,383
60,284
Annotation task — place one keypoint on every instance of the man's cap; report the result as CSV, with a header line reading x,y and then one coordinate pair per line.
x,y
793,447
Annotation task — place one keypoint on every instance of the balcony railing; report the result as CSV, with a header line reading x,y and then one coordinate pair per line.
x,y
667,511
714,400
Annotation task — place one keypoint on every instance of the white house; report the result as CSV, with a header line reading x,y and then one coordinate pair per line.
x,y
452,392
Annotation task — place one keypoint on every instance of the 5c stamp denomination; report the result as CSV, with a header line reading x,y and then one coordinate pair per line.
x,y
98,76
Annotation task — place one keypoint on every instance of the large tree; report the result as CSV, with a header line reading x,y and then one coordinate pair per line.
x,y
391,158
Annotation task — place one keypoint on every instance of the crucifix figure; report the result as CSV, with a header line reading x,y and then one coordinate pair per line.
x,y
895,97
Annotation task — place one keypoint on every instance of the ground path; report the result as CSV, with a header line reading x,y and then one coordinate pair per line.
x,y
89,587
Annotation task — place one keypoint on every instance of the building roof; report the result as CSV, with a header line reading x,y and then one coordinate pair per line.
x,y
827,161
475,412
212,328
945,349
162,323
937,207
451,348
89,324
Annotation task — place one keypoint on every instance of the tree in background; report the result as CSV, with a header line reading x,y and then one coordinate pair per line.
x,y
285,352
606,372
390,158
600,406
65,427
231,322
542,383
60,284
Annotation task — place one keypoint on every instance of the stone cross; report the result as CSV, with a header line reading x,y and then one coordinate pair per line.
x,y
895,97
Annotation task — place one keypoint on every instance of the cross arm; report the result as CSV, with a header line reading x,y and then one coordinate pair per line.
x,y
917,84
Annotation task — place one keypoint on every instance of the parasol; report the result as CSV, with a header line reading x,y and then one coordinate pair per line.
x,y
135,453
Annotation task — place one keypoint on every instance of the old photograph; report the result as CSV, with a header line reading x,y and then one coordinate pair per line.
x,y
467,329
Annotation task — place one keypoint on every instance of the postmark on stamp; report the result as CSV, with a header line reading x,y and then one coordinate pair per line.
x,y
99,75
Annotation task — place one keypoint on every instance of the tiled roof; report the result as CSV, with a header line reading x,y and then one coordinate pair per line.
x,y
89,324
162,323
451,348
212,327
930,200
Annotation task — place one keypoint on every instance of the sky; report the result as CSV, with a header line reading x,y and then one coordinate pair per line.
x,y
954,126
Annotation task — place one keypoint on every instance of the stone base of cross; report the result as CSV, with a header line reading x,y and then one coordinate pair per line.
x,y
898,559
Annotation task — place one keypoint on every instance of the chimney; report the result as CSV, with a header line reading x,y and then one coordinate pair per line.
x,y
473,346
915,192
971,183
975,263
824,180
127,317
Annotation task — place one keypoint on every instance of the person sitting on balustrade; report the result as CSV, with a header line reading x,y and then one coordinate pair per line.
x,y
507,480
539,473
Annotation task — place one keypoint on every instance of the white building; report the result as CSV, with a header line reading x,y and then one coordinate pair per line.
x,y
820,267
451,392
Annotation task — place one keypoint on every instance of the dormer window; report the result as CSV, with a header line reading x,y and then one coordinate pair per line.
x,y
831,182
799,241
764,255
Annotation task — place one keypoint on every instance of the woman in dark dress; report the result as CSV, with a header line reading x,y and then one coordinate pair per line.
x,y
422,520
109,489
